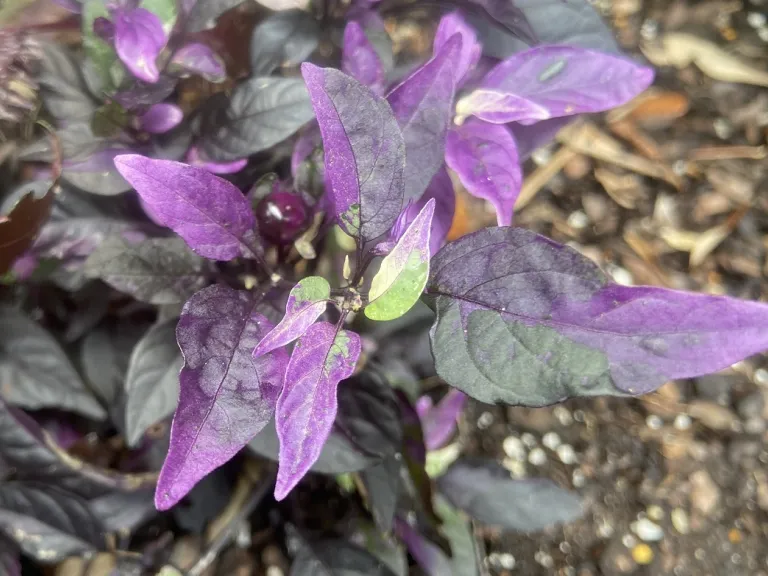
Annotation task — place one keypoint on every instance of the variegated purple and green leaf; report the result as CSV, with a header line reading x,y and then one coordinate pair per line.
x,y
364,152
524,320
324,356
306,302
226,397
554,81
403,272
484,156
211,214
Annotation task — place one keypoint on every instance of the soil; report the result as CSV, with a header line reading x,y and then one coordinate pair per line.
x,y
675,483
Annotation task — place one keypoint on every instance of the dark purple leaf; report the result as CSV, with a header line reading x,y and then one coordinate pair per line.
x,y
471,49
152,382
139,39
485,491
554,81
485,158
211,214
47,523
161,118
309,140
36,372
123,512
104,29
511,17
198,58
523,320
62,86
142,94
382,486
306,409
360,59
441,189
423,105
364,152
96,174
428,555
10,563
336,558
466,549
260,113
284,38
158,270
226,398
529,138
195,159
203,14
439,422
36,457
306,302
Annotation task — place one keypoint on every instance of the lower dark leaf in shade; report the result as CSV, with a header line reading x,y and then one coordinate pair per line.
x,y
284,38
204,13
336,558
33,454
338,456
369,416
22,215
382,486
157,270
48,523
205,501
124,511
35,370
260,113
464,546
485,491
63,88
385,547
10,563
429,556
152,381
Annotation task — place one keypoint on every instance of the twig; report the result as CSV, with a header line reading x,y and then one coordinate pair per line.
x,y
542,175
711,153
229,531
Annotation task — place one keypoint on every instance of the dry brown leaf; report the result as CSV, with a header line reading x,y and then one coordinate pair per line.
x,y
624,189
708,241
642,142
652,109
588,139
679,49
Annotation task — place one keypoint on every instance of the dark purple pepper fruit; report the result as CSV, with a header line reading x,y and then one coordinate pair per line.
x,y
282,216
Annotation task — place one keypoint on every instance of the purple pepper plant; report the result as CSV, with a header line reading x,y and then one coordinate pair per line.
x,y
291,304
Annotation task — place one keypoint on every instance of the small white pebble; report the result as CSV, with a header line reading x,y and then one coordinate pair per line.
x,y
529,440
605,529
537,457
516,468
507,561
578,220
647,531
723,128
578,478
622,275
649,30
485,420
551,440
763,33
655,512
654,422
544,559
514,448
761,376
757,19
563,415
682,422
628,540
274,571
680,522
541,156
566,453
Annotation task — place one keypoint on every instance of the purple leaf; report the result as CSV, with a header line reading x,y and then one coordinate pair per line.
x,y
471,49
226,397
554,81
423,106
529,138
142,94
306,409
403,272
306,302
524,320
511,17
139,39
198,58
195,159
360,60
439,422
104,29
485,158
211,214
306,143
428,555
364,151
161,118
441,189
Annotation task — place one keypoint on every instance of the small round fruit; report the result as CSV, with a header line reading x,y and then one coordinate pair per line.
x,y
282,217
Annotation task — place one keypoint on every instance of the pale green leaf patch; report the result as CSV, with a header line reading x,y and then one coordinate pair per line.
x,y
404,271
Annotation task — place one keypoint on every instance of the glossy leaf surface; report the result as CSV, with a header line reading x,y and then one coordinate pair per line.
x,y
484,156
403,273
226,398
364,152
306,302
306,409
524,320
209,213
